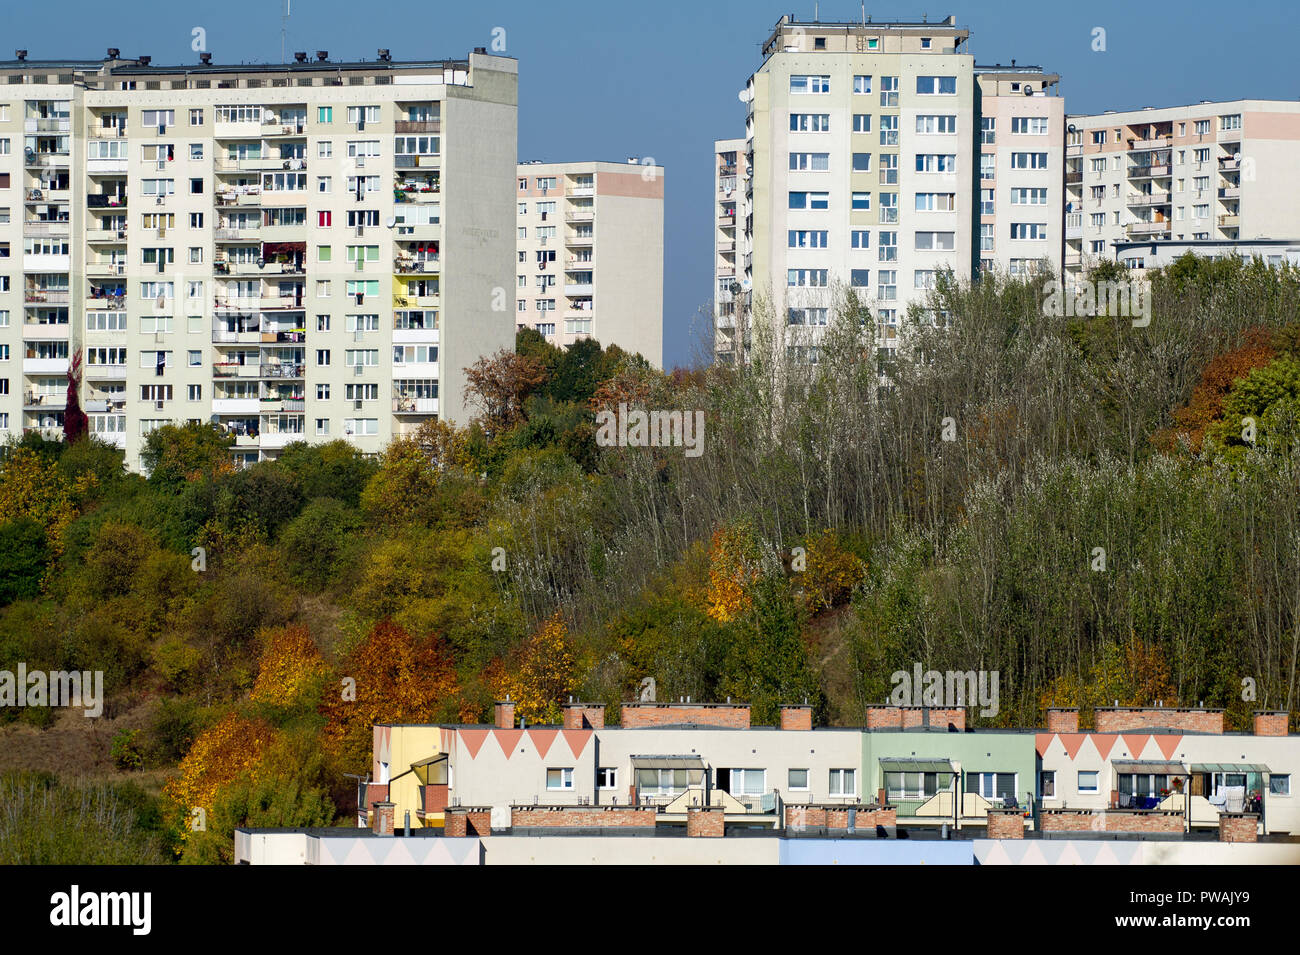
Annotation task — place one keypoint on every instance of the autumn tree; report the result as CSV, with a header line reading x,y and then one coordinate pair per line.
x,y
289,664
173,454
734,564
74,419
540,674
498,386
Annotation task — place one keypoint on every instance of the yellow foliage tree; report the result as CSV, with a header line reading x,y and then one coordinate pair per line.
x,y
831,574
288,664
31,486
1133,673
733,567
544,671
233,746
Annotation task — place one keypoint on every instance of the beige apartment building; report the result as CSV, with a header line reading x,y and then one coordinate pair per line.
x,y
590,253
1021,194
310,251
1212,172
730,255
859,137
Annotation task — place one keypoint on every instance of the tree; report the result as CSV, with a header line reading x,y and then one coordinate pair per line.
x,y
173,454
74,419
31,486
317,542
289,664
498,386
24,555
541,673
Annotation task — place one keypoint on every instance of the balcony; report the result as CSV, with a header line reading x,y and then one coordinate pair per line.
x,y
272,129
107,132
1074,225
106,235
104,200
1149,198
33,401
46,160
1074,178
1163,141
727,220
243,196
39,296
1152,171
45,331
249,164
1230,221
279,403
587,190
281,303
1229,165
578,289
1148,228
233,336
99,270
235,405
105,372
415,406
46,227
417,161
281,370
45,366
278,439
245,233
47,125
417,126
421,266
1230,192
49,196
231,369
1073,260
579,216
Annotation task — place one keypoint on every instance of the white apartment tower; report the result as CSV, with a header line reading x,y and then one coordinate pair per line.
x,y
859,137
1210,174
730,186
590,253
301,252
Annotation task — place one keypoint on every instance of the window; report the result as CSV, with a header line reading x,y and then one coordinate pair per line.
x,y
862,162
935,241
936,85
886,285
1029,197
322,392
810,84
936,201
196,220
986,202
843,782
798,779
559,779
862,122
995,787
861,200
923,279
360,357
1047,783
810,162
1201,211
806,278
196,187
810,200
936,162
859,278
607,777
806,239
925,43
806,316
862,84
986,237
1029,125
1029,160
1088,781
860,239
324,149
988,130
196,150
363,114
889,207
322,427
193,392
810,122
889,91
916,785
196,117
322,356
361,392
889,169
889,247
324,114
158,117
936,124
360,426
238,114
743,782
1279,784
889,130
1029,230
1230,122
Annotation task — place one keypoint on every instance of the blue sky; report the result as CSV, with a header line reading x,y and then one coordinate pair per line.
x,y
660,79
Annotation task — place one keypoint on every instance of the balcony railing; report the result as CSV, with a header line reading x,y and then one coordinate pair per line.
x,y
415,405
1148,171
39,296
417,126
1149,198
1229,221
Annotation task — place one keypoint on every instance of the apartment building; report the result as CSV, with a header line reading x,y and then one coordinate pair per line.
x,y
1141,770
859,136
1021,193
1208,172
302,252
730,254
590,251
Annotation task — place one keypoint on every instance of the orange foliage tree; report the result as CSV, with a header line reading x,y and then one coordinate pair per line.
x,y
831,574
733,567
289,663
233,746
1135,673
499,385
541,673
399,679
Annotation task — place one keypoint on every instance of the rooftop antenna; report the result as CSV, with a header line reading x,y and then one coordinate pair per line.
x,y
864,12
284,24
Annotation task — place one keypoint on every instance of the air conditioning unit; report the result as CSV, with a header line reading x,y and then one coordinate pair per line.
x,y
160,199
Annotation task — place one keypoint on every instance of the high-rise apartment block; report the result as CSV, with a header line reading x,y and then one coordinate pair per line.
x,y
730,256
882,155
590,251
1211,173
301,252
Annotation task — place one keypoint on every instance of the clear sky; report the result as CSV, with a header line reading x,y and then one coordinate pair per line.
x,y
608,79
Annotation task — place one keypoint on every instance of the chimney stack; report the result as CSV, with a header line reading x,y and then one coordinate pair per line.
x,y
1062,719
205,58
1271,722
505,714
300,56
383,821
796,716
322,55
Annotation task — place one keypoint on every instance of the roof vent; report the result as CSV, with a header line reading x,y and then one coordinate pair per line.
x,y
322,55
300,57
145,60
21,54
205,58
114,53
386,56
481,49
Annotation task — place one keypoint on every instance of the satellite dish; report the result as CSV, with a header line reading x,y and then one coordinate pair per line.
x,y
392,221
1029,90
1072,128
261,263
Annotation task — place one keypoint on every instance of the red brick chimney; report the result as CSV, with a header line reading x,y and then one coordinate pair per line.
x,y
1271,722
383,821
584,716
505,714
1063,719
884,717
796,716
